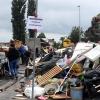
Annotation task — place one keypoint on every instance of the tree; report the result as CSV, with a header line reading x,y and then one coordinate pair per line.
x,y
18,19
62,39
75,34
41,35
31,11
93,32
56,45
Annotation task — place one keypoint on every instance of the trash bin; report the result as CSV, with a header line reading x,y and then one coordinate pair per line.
x,y
76,93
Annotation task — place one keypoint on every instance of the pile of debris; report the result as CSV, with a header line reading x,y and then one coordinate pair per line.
x,y
71,73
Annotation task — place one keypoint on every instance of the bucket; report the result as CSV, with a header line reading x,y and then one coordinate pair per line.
x,y
76,93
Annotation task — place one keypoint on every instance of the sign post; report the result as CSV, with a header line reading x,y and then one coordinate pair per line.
x,y
34,23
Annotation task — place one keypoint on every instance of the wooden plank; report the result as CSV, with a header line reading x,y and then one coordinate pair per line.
x,y
59,96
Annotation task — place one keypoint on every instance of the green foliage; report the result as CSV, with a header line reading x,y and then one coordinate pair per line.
x,y
18,19
41,35
75,34
56,45
92,33
61,39
91,36
31,8
31,11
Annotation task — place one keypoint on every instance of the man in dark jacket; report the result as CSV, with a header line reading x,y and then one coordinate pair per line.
x,y
13,56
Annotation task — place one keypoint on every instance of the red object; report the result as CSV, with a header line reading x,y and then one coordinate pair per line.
x,y
68,61
42,98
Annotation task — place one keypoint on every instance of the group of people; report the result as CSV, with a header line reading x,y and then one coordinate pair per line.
x,y
13,55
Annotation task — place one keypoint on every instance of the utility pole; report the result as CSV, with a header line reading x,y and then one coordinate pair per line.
x,y
79,23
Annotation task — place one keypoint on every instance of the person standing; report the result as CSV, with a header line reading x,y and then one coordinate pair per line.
x,y
13,56
22,52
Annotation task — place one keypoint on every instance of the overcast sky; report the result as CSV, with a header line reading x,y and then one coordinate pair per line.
x,y
59,16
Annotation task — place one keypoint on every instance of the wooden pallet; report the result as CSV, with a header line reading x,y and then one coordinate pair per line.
x,y
60,97
48,75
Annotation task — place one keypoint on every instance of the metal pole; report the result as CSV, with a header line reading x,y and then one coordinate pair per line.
x,y
35,32
79,24
33,74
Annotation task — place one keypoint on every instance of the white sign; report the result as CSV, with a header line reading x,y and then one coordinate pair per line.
x,y
34,23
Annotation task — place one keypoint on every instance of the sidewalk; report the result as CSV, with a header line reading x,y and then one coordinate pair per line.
x,y
6,82
8,89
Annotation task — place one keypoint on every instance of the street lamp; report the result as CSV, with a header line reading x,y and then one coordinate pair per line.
x,y
79,23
